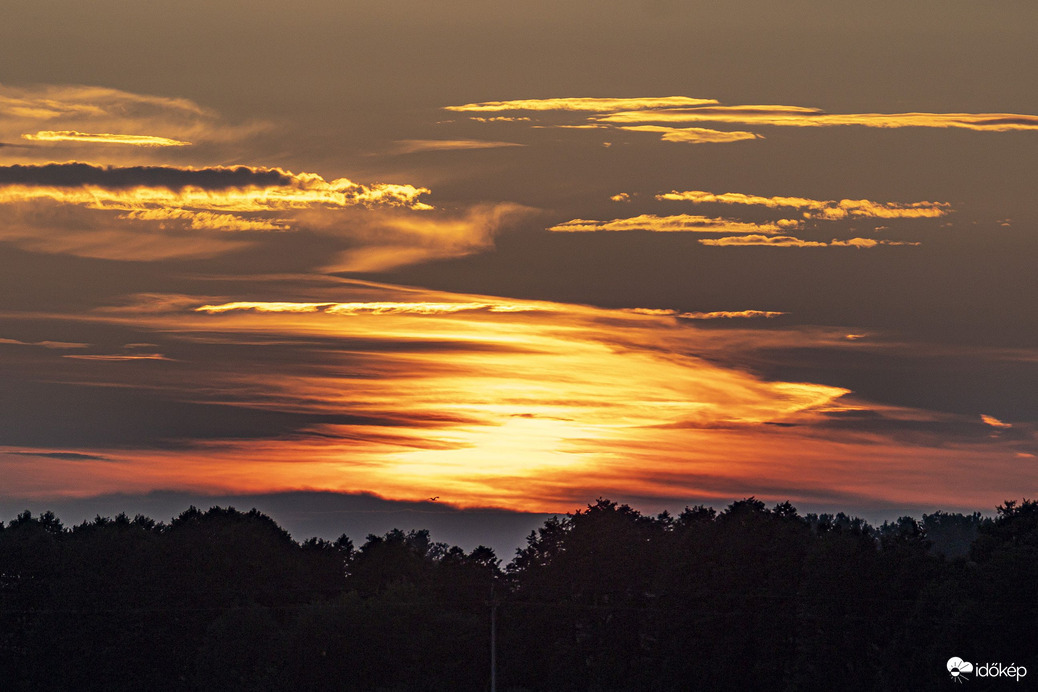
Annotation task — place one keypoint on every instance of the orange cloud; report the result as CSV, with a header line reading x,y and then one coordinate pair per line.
x,y
73,114
524,393
418,393
217,188
398,238
694,135
681,223
73,136
500,119
44,344
728,314
768,241
790,241
411,146
795,116
375,307
581,104
98,211
994,422
820,209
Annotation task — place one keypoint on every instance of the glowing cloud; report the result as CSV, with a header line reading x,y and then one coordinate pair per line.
x,y
694,135
790,241
412,146
582,104
994,422
484,401
795,116
72,114
729,315
44,344
73,136
682,223
819,209
768,241
241,189
374,308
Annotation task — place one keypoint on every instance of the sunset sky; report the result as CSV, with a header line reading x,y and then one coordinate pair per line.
x,y
521,255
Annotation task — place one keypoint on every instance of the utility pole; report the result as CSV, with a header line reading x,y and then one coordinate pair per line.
x,y
493,640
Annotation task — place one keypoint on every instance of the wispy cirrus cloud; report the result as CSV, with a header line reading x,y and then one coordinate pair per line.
x,y
81,116
694,135
602,105
712,315
994,422
796,116
477,399
375,307
818,209
731,314
102,211
679,223
217,188
61,345
103,138
662,115
754,240
413,146
160,212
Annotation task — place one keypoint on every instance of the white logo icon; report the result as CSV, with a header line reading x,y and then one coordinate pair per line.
x,y
958,668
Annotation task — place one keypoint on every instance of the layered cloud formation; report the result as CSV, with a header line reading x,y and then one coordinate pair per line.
x,y
104,119
479,400
818,209
661,116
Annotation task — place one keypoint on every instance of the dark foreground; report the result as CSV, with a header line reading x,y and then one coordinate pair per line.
x,y
750,598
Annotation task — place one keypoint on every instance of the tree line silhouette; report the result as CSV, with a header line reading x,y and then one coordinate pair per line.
x,y
605,598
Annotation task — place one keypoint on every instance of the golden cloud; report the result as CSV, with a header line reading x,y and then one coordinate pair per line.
x,y
790,241
217,188
530,390
694,135
794,116
142,212
582,104
73,114
529,409
994,422
395,238
768,241
375,307
44,344
730,315
681,223
500,119
73,136
819,209
411,146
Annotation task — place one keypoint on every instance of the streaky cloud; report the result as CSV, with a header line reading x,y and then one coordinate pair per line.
x,y
818,209
45,344
376,307
103,138
791,241
794,116
582,104
413,146
731,314
680,223
694,135
994,422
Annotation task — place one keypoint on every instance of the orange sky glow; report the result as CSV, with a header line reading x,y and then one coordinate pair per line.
x,y
521,255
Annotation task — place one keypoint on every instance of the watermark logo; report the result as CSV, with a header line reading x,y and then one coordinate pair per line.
x,y
961,670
